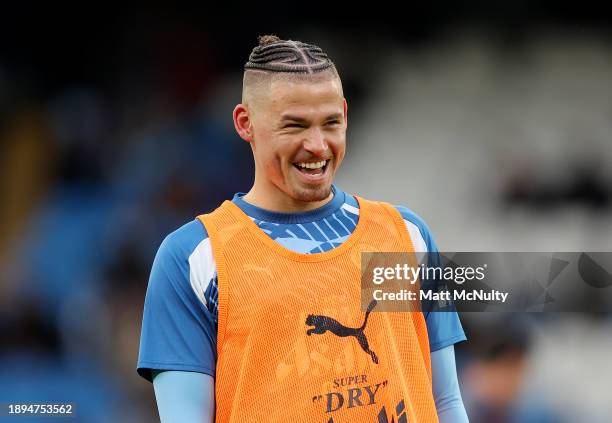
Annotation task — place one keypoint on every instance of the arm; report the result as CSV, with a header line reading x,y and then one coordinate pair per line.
x,y
184,396
446,387
444,330
178,338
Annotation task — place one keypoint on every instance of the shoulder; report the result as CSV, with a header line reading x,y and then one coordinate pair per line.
x,y
419,230
183,241
185,258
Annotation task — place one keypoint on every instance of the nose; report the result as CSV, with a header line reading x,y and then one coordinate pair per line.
x,y
315,142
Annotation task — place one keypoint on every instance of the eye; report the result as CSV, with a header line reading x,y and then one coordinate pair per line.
x,y
332,122
293,125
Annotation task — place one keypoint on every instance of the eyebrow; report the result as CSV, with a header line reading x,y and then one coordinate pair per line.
x,y
302,120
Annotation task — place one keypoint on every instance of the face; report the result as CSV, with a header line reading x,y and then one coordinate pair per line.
x,y
298,136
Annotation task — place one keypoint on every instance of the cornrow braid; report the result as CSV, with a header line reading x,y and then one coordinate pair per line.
x,y
276,55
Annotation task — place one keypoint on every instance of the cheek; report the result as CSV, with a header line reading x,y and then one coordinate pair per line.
x,y
285,149
338,147
263,148
275,155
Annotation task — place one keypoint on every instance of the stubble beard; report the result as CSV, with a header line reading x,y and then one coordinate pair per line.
x,y
311,194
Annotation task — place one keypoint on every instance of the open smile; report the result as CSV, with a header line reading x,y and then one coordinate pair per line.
x,y
312,171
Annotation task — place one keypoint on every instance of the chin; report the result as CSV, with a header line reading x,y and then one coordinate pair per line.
x,y
311,194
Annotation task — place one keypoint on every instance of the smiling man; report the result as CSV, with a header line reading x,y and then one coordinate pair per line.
x,y
253,312
293,113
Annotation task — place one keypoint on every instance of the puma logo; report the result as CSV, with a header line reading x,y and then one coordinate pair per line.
x,y
322,324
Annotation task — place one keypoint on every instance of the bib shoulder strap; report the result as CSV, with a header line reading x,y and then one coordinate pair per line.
x,y
220,224
385,214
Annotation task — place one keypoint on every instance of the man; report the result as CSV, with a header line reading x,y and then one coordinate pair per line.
x,y
253,312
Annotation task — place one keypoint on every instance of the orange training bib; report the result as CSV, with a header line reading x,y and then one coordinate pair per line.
x,y
294,344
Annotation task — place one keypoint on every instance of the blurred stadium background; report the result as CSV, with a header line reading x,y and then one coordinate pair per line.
x,y
493,122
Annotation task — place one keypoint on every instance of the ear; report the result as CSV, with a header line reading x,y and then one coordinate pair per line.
x,y
243,122
345,113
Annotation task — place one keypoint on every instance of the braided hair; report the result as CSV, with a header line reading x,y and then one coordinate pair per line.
x,y
276,55
275,59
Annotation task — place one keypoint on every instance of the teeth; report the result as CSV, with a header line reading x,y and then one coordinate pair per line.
x,y
316,165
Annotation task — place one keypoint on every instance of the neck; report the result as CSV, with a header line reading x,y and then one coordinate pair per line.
x,y
277,201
